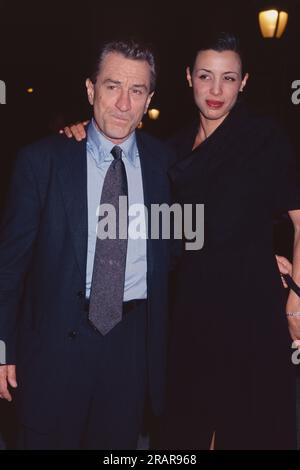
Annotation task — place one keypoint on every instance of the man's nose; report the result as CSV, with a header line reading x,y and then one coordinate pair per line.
x,y
123,101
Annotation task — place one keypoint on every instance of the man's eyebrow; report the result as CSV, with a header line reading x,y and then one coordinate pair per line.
x,y
138,85
117,82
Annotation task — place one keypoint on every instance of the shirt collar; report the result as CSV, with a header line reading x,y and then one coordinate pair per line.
x,y
101,146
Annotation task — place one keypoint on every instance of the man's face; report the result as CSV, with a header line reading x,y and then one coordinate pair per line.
x,y
216,80
120,96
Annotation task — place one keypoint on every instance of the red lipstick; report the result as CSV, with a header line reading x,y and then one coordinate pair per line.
x,y
214,104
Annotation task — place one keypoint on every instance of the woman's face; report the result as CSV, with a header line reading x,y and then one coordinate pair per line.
x,y
216,80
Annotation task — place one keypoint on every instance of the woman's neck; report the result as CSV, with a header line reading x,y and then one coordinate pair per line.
x,y
206,128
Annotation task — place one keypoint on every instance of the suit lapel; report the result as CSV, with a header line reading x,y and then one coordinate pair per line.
x,y
148,170
151,176
73,179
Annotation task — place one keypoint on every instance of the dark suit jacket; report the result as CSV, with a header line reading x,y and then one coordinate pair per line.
x,y
43,249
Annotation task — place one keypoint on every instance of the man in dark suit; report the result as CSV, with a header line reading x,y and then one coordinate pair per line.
x,y
83,317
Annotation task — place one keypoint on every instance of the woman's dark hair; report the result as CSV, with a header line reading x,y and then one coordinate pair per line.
x,y
220,42
130,49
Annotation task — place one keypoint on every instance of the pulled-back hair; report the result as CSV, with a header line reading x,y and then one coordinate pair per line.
x,y
220,42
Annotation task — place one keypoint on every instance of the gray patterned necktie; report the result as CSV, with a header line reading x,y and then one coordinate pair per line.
x,y
107,289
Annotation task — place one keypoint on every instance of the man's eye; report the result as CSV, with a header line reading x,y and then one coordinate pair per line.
x,y
137,92
111,87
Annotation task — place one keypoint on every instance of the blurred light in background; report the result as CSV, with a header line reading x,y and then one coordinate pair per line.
x,y
153,113
272,23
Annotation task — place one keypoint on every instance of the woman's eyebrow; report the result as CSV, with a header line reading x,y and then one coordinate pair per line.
x,y
210,71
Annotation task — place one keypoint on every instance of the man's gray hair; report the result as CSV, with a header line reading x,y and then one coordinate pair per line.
x,y
130,49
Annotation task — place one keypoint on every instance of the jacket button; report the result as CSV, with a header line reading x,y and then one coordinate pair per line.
x,y
72,334
80,294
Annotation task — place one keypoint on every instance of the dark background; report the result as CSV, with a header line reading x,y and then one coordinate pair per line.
x,y
47,45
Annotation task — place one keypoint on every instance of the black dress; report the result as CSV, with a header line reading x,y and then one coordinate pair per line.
x,y
230,367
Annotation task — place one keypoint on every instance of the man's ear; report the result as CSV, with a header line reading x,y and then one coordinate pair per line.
x,y
148,102
244,81
90,88
189,76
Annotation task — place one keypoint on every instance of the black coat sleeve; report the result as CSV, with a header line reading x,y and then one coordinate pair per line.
x,y
283,171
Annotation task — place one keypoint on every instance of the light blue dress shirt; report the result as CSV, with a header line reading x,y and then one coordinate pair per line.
x,y
99,159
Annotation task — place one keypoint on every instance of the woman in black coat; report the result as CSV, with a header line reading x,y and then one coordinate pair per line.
x,y
231,379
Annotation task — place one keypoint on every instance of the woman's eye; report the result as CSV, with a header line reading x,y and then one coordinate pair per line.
x,y
204,77
230,79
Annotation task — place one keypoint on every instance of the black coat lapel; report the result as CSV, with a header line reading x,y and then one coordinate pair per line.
x,y
214,151
73,178
182,142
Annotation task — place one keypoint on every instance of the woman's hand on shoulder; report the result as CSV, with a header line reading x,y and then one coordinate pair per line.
x,y
76,130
